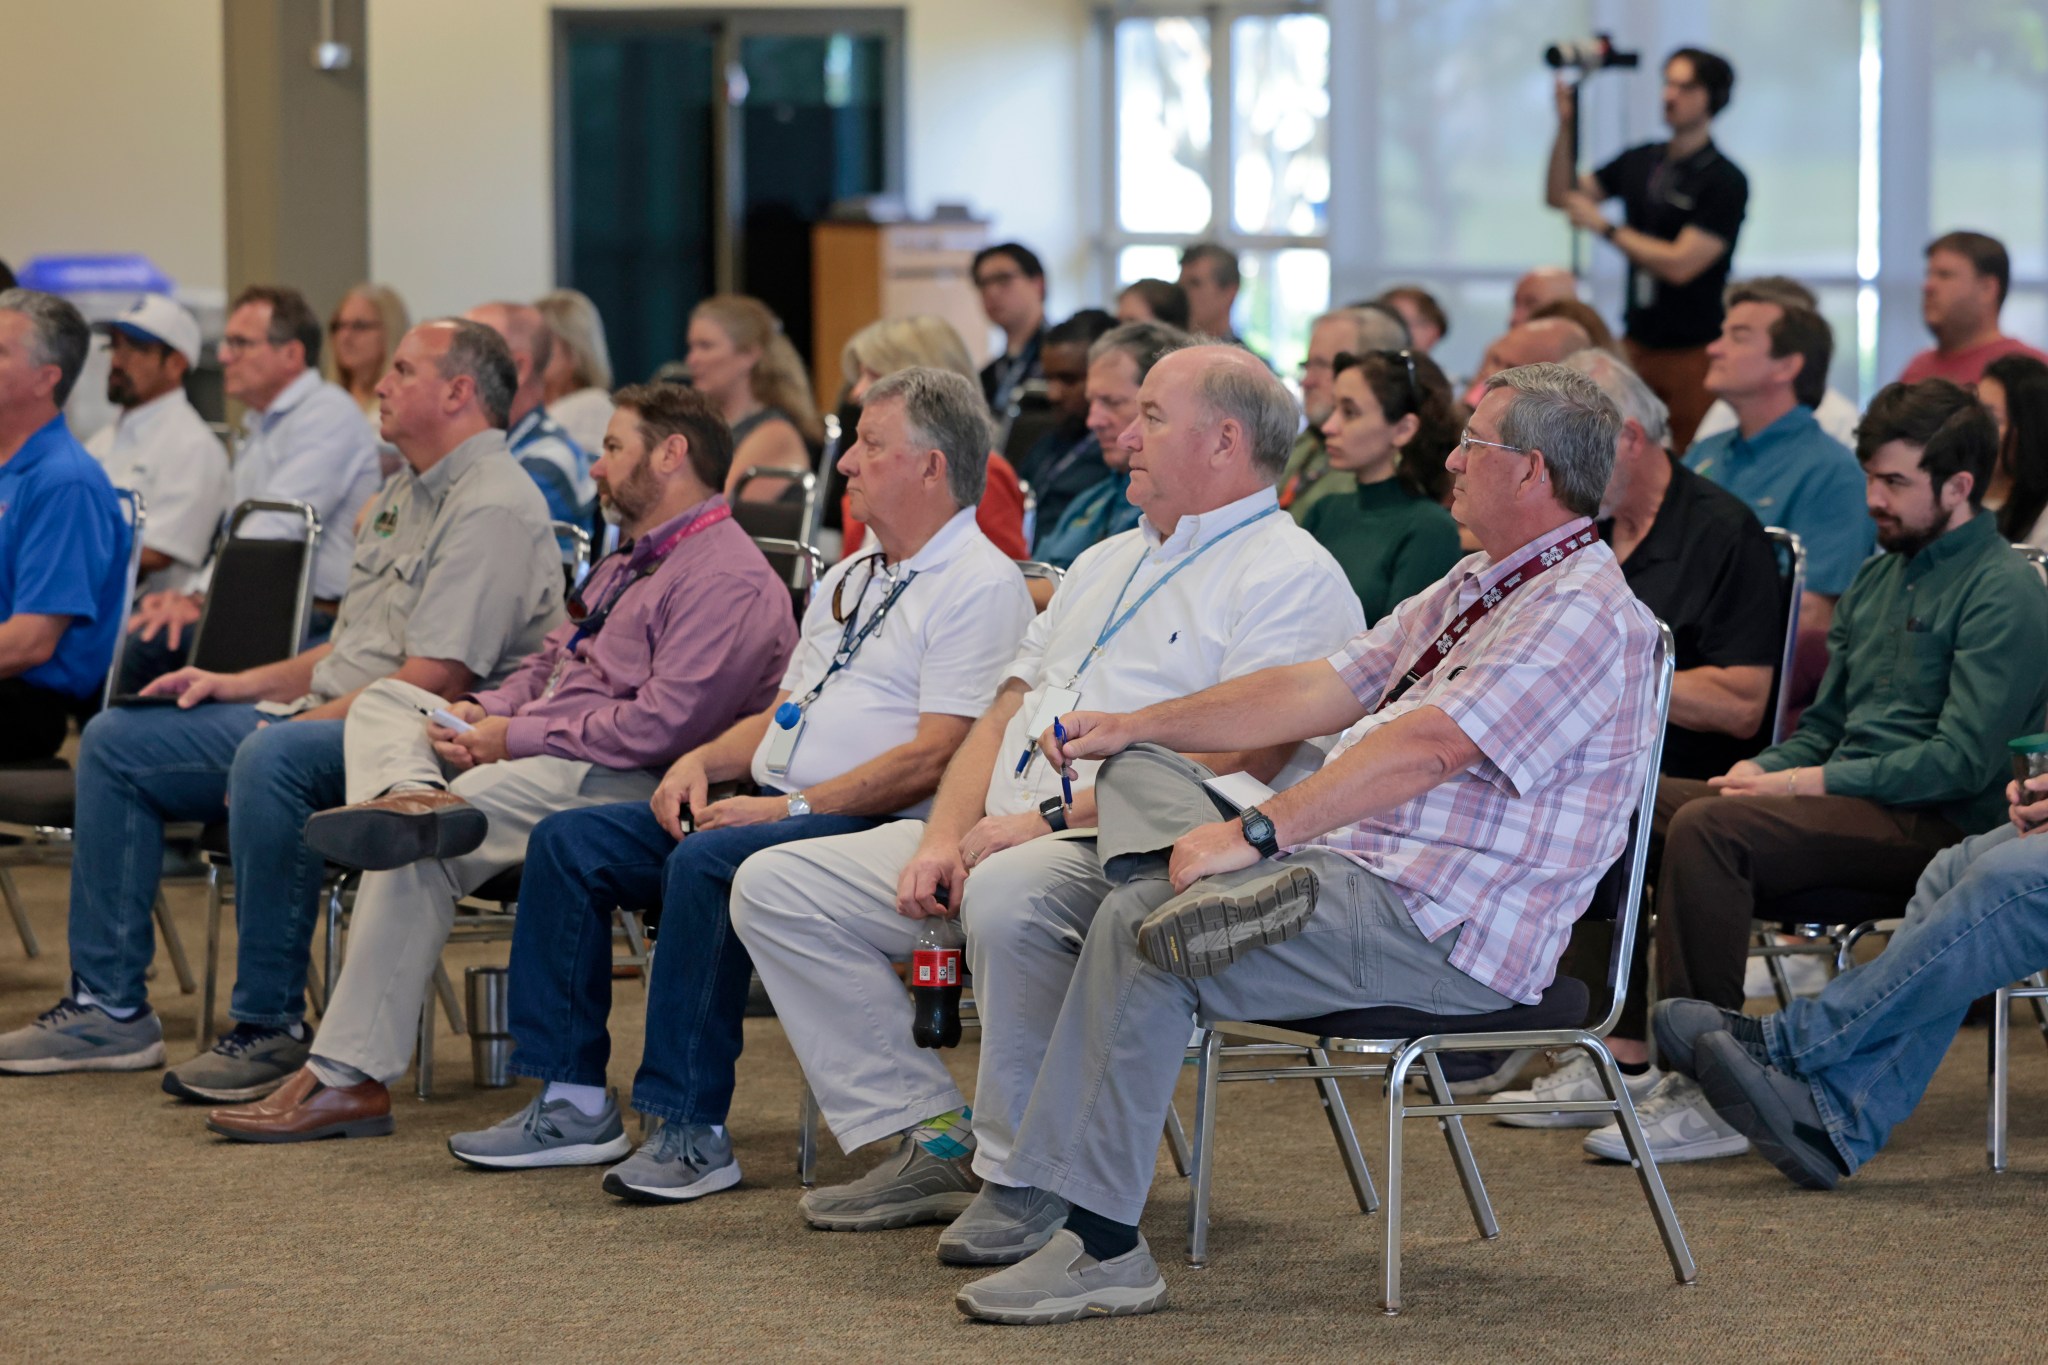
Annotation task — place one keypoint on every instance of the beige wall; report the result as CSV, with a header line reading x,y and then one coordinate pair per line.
x,y
117,107
461,179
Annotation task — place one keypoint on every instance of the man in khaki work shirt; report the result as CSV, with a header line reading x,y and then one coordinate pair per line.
x,y
455,579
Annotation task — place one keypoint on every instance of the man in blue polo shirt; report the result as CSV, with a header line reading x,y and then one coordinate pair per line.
x,y
63,542
1771,365
542,446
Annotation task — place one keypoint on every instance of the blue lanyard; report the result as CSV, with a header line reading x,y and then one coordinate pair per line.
x,y
1114,623
790,712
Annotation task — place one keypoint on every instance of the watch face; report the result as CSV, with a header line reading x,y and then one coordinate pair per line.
x,y
1257,828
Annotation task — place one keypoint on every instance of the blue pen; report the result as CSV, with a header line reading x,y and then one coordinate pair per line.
x,y
1059,733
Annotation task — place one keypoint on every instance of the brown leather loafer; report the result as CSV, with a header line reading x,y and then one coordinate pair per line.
x,y
303,1109
397,830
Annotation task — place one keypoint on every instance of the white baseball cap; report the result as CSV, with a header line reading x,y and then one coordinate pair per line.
x,y
153,317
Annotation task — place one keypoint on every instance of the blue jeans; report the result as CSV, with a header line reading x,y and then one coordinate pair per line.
x,y
579,865
139,769
1868,1044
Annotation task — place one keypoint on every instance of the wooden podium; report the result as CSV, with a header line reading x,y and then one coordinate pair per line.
x,y
863,272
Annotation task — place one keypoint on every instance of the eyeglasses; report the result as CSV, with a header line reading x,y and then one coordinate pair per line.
x,y
1407,357
839,612
338,326
1468,439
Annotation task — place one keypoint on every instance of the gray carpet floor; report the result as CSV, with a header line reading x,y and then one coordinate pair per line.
x,y
128,1232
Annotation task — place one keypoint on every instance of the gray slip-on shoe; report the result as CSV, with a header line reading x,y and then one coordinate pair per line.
x,y
75,1037
683,1161
1776,1112
1679,1024
546,1133
1204,929
1061,1282
247,1063
1003,1225
911,1186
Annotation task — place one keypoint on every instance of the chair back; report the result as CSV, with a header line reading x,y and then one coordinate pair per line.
x,y
1030,417
790,516
1792,579
795,563
828,464
1038,569
262,592
2035,556
1030,511
135,514
575,543
1619,895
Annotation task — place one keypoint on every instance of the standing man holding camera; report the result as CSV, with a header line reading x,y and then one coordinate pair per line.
x,y
1683,204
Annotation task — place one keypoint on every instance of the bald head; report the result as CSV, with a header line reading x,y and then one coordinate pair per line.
x,y
1532,343
1214,426
1544,284
531,343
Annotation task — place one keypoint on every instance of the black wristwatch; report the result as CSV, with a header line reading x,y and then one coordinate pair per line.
x,y
1054,812
1258,832
1609,230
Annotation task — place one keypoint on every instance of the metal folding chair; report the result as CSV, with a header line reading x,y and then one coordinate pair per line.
x,y
1791,553
783,517
797,564
2034,990
1392,1042
575,543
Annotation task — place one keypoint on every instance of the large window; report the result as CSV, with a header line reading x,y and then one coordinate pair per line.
x,y
1222,134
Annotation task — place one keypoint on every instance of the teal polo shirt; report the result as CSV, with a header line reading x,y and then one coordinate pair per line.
x,y
1793,474
64,552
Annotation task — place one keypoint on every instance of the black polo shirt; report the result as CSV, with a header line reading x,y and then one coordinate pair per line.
x,y
1708,571
1659,197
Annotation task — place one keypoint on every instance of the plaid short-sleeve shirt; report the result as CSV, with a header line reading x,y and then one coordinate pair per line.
x,y
1556,687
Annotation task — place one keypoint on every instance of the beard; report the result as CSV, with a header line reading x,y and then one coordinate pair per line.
x,y
632,497
1898,536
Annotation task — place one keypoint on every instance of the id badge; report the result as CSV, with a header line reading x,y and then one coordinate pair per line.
x,y
782,746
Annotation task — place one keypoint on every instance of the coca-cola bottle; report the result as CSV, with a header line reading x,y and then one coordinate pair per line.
x,y
935,984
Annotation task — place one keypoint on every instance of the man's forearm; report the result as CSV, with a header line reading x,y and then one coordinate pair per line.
x,y
1558,181
731,755
1275,706
1388,768
1722,701
962,797
287,679
890,781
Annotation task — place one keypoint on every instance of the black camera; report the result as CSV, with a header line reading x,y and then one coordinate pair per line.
x,y
1591,54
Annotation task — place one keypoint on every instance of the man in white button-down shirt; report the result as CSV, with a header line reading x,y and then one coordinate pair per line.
x,y
1215,583
159,445
304,440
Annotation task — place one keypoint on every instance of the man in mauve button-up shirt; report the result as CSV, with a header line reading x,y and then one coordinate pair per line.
x,y
669,641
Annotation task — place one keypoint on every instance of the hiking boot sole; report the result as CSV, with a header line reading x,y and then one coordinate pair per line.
x,y
1199,935
938,1208
1104,1303
380,840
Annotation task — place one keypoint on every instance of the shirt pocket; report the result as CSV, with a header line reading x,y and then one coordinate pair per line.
x,y
1922,672
399,585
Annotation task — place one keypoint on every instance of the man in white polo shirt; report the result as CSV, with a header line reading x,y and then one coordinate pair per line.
x,y
1216,582
159,445
901,648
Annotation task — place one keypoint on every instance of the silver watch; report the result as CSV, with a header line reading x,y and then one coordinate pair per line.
x,y
799,804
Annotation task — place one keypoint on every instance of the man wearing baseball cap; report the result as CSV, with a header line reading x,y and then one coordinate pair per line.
x,y
159,445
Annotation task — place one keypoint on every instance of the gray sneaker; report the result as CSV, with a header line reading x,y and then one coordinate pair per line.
x,y
546,1133
246,1064
682,1161
1774,1110
1203,930
912,1186
1060,1282
1002,1226
75,1037
1679,1024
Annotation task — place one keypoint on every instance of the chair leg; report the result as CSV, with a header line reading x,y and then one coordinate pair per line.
x,y
2001,1062
1453,1127
445,988
1202,1151
211,995
1390,1258
636,942
15,908
1645,1162
423,1061
2039,981
175,946
1347,1137
1176,1141
330,969
807,1138
1779,983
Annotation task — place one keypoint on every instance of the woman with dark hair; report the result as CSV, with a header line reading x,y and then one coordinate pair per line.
x,y
1393,426
2015,390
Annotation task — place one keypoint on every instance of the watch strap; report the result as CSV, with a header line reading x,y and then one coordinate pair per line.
x,y
1054,812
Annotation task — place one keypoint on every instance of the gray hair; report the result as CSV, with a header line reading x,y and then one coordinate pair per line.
x,y
481,354
61,336
1254,398
575,322
946,412
1143,342
1564,415
1375,329
1626,389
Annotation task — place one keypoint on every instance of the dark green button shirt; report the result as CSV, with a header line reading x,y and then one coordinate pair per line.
x,y
1935,661
1390,542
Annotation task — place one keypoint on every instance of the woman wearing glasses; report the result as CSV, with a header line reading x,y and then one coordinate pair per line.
x,y
1392,426
361,336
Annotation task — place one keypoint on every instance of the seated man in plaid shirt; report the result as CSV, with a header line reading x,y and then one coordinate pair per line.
x,y
1499,727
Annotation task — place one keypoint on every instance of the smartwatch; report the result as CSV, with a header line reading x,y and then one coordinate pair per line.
x,y
799,804
1054,812
1609,230
1258,832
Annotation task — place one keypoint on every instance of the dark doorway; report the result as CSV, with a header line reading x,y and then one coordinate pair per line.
x,y
695,149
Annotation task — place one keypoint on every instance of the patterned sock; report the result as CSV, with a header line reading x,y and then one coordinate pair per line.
x,y
1102,1238
948,1137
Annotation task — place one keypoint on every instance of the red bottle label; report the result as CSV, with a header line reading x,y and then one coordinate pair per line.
x,y
935,967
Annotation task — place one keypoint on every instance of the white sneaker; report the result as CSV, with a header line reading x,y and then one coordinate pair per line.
x,y
1577,1079
1678,1123
1806,975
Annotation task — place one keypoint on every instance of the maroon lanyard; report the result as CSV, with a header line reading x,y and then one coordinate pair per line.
x,y
1549,557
